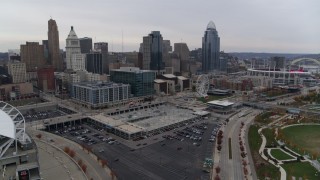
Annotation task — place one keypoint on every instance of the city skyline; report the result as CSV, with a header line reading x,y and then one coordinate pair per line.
x,y
278,27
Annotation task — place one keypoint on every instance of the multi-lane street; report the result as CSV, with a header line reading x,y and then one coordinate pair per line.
x,y
231,166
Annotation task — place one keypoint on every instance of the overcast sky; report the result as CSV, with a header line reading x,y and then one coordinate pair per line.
x,y
281,26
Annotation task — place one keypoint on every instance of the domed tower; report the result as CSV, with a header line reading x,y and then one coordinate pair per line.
x,y
72,47
210,49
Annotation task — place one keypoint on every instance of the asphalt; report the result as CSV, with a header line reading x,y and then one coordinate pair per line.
x,y
155,160
94,169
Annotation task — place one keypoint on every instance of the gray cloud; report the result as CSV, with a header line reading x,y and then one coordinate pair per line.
x,y
247,25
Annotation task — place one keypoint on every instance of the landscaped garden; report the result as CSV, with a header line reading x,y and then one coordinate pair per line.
x,y
263,168
304,139
280,155
303,170
211,98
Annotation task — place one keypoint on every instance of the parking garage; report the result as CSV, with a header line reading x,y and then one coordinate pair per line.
x,y
132,123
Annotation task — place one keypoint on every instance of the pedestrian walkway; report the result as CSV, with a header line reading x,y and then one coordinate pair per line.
x,y
94,169
55,164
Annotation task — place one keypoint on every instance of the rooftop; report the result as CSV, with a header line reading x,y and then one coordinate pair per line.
x,y
220,103
169,76
211,25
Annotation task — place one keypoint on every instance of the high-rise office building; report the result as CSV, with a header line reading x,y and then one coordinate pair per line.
x,y
210,49
55,58
17,70
96,63
152,51
72,47
141,81
182,50
33,55
14,54
86,45
166,48
101,47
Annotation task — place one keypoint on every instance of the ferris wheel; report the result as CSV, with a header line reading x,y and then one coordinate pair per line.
x,y
202,85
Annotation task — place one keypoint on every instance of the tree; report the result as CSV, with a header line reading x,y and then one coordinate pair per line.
x,y
72,153
39,136
66,149
80,162
217,177
104,163
84,168
218,169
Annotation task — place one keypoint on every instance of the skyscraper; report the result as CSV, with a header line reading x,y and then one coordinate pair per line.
x,y
85,45
152,51
72,47
33,55
101,47
210,49
53,46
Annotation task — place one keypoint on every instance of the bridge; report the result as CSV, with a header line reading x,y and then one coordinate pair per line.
x,y
317,61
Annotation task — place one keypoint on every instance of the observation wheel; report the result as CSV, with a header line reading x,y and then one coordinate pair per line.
x,y
202,85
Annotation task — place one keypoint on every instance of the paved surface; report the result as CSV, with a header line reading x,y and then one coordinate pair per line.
x,y
158,159
232,169
94,169
54,164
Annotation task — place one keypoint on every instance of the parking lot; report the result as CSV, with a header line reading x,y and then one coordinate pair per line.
x,y
34,115
177,153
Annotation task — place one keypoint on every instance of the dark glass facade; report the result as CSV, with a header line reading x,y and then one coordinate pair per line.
x,y
156,62
85,45
96,63
141,82
210,49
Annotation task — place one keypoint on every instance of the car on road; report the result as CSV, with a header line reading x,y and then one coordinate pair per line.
x,y
101,150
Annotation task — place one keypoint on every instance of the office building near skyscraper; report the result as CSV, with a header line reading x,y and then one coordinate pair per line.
x,y
86,45
101,47
210,49
152,51
55,58
141,81
32,53
96,63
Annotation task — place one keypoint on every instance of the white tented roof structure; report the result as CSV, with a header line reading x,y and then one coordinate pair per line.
x,y
12,127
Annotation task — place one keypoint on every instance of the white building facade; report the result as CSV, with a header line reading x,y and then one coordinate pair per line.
x,y
72,47
17,70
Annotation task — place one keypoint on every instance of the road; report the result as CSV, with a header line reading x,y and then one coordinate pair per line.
x,y
232,169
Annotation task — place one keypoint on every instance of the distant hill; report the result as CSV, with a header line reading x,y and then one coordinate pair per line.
x,y
249,55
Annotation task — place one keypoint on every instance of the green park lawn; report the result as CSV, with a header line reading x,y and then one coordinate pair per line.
x,y
211,98
299,169
263,168
279,154
303,138
269,134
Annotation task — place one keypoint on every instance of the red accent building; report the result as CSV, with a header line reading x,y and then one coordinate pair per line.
x,y
46,81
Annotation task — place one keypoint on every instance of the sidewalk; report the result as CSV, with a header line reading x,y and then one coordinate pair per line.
x,y
54,164
94,169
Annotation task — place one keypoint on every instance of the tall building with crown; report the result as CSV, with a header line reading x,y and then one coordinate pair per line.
x,y
210,49
72,48
55,58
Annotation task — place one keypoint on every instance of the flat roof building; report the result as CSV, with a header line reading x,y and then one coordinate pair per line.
x,y
141,81
99,94
220,106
